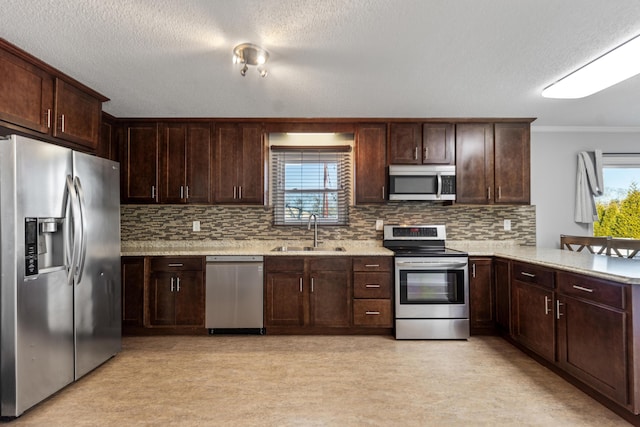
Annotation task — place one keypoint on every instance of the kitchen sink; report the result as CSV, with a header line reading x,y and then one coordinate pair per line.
x,y
307,249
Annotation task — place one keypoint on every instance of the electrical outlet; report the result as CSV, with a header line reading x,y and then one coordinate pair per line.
x,y
379,225
196,225
507,225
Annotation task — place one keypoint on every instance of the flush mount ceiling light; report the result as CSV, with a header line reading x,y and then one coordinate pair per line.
x,y
251,54
613,67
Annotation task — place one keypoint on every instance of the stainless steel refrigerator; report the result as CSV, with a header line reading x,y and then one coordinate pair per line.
x,y
60,310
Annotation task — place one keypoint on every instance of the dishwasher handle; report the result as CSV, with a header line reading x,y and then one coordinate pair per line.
x,y
234,258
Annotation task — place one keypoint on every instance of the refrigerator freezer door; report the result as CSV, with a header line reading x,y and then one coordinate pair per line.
x,y
97,293
36,312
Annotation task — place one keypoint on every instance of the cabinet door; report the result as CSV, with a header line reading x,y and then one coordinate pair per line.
x,y
438,143
284,299
330,299
108,148
26,94
502,276
77,117
512,163
132,291
592,346
189,295
162,309
173,163
251,169
227,161
481,295
371,164
199,157
140,163
474,163
405,142
533,318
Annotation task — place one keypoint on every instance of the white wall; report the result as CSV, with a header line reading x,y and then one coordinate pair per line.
x,y
554,152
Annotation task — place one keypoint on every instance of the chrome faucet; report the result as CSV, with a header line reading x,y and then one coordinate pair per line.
x,y
315,229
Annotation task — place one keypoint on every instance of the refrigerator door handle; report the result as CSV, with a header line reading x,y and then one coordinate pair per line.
x,y
72,233
83,232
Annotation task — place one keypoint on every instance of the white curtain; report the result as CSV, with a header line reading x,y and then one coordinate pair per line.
x,y
589,184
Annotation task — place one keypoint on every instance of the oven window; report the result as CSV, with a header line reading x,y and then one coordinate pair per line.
x,y
432,287
414,184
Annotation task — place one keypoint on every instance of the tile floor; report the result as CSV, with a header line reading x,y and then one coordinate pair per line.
x,y
319,381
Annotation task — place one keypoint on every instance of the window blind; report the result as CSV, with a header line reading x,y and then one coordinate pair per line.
x,y
311,180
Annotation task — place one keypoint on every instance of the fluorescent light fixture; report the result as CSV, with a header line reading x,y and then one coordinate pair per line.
x,y
613,67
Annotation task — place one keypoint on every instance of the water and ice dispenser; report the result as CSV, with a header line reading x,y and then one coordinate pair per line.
x,y
44,245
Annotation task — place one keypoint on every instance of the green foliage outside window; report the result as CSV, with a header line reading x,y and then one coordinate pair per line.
x,y
620,218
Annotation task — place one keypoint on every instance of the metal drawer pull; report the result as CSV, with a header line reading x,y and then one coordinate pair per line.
x,y
371,286
182,191
415,154
372,265
547,310
524,273
312,285
372,313
172,284
473,270
580,288
301,284
178,284
558,314
175,264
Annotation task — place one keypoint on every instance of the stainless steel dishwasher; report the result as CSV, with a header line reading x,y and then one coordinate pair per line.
x,y
234,294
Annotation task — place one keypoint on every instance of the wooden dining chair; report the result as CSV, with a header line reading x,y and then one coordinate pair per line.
x,y
595,245
624,248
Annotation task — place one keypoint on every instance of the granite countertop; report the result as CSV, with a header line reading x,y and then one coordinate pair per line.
x,y
251,247
605,267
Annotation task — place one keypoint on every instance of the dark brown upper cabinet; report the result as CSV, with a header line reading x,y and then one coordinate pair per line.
x,y
371,163
186,160
426,143
140,158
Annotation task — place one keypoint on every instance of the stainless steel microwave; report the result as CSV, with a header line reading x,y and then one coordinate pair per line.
x,y
422,182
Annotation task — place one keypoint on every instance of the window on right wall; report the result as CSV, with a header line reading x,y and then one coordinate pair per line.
x,y
619,206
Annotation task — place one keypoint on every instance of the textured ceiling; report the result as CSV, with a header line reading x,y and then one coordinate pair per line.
x,y
334,58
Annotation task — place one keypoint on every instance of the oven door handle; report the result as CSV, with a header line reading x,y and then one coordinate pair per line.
x,y
423,264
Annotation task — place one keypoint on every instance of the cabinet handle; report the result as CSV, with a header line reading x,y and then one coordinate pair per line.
x,y
499,192
558,314
547,310
153,192
488,193
415,154
177,284
62,126
312,285
473,270
371,286
48,118
524,273
383,192
172,284
426,153
580,288
372,265
182,192
301,285
240,192
175,264
187,191
372,313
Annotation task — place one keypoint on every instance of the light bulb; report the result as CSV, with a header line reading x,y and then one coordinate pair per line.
x,y
243,70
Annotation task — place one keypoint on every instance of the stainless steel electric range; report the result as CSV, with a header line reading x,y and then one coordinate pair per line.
x,y
431,283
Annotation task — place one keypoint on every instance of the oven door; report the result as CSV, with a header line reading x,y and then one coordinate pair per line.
x,y
432,287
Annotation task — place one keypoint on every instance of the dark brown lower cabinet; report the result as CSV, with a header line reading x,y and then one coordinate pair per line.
x,y
176,292
481,296
502,278
133,280
592,335
532,311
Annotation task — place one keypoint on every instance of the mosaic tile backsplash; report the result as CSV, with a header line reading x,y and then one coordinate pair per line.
x,y
464,222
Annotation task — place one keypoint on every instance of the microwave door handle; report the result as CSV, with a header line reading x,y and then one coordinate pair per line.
x,y
439,192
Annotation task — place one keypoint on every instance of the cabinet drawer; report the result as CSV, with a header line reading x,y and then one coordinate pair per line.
x,y
334,263
373,263
176,263
600,291
372,312
371,285
534,274
284,263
